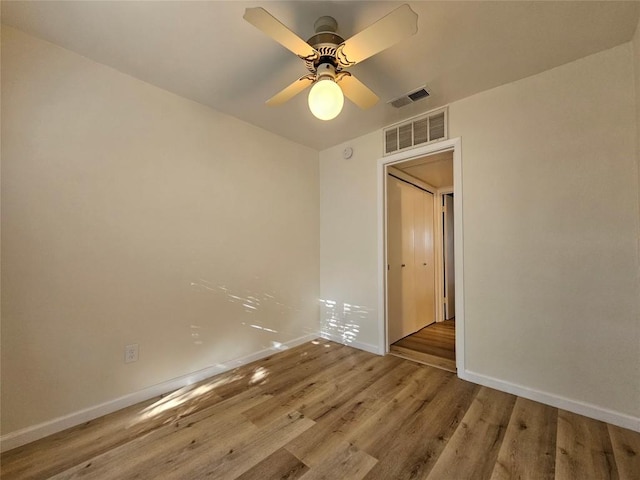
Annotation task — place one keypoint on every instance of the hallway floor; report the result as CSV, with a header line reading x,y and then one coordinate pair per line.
x,y
434,345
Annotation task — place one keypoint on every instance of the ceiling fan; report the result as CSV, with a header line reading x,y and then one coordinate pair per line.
x,y
327,55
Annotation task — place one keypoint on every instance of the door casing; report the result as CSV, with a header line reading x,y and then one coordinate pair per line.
x,y
453,145
448,257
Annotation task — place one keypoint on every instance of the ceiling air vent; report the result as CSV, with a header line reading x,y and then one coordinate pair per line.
x,y
410,97
427,128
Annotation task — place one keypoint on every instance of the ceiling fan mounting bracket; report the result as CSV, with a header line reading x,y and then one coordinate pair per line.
x,y
325,24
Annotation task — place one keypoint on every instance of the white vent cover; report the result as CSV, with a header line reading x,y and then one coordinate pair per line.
x,y
426,128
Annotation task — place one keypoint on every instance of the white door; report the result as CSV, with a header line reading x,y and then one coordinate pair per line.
x,y
449,264
410,259
425,287
408,265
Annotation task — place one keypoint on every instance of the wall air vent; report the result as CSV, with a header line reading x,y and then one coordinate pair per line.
x,y
426,128
410,97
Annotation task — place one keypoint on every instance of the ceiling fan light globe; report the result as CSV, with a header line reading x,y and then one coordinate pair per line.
x,y
326,99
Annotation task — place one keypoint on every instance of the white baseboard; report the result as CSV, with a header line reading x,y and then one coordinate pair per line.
x,y
367,347
575,406
36,432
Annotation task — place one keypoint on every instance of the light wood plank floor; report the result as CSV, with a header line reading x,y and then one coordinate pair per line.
x,y
433,345
327,411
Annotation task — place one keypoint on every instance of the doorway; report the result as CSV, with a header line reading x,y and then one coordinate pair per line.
x,y
441,343
417,260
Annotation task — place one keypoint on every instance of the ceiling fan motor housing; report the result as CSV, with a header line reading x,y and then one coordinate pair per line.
x,y
325,42
326,69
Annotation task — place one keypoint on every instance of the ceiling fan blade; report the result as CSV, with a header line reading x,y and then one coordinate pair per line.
x,y
356,91
291,91
267,23
389,30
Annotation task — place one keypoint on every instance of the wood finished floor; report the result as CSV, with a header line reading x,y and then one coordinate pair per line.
x,y
433,345
327,411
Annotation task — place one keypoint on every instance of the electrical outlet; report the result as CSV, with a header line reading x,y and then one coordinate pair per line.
x,y
131,353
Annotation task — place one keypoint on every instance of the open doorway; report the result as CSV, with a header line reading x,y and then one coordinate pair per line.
x,y
419,253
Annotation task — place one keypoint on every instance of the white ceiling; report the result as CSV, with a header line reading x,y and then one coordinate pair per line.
x,y
205,51
436,169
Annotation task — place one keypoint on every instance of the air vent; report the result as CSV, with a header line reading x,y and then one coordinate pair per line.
x,y
417,95
430,127
391,140
410,97
405,136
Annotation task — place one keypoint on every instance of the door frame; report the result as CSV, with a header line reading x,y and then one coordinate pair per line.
x,y
441,193
455,146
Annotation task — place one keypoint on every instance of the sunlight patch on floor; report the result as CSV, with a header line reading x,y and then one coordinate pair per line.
x,y
181,397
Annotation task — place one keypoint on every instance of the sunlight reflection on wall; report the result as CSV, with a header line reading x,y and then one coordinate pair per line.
x,y
254,310
342,321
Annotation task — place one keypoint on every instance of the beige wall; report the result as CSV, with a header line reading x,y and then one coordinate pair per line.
x,y
636,61
348,248
550,229
131,215
550,192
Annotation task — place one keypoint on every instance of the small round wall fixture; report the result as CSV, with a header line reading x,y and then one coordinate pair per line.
x,y
347,153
